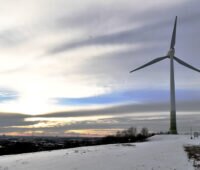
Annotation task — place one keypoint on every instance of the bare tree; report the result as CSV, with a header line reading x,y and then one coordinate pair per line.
x,y
132,131
144,131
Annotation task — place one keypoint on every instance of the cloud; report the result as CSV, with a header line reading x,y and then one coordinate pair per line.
x,y
140,34
143,96
73,58
155,121
132,26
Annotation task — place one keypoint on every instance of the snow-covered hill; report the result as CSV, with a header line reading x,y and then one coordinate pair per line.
x,y
164,152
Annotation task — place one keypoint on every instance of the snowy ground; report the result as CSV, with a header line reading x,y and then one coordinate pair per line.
x,y
164,152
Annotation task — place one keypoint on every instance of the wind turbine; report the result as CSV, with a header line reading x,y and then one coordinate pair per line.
x,y
170,55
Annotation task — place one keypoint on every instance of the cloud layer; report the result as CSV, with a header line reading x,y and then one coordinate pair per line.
x,y
68,56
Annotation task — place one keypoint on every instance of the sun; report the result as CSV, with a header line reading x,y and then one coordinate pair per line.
x,y
29,105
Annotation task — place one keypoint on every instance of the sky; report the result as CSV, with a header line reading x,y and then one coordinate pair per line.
x,y
65,66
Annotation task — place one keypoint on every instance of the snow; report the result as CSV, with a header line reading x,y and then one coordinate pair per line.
x,y
161,152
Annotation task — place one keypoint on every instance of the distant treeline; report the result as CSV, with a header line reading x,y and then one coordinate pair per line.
x,y
10,146
126,136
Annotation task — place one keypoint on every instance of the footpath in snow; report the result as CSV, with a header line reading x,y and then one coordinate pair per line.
x,y
163,152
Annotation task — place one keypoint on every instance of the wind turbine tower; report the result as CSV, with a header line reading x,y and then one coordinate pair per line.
x,y
170,55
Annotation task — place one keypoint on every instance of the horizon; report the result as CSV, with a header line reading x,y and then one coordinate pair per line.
x,y
65,66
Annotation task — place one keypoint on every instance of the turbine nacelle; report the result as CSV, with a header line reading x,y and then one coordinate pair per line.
x,y
171,52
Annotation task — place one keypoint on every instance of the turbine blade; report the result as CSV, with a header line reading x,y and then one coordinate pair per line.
x,y
150,63
173,40
186,64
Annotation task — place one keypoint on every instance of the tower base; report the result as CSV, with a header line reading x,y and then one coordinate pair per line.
x,y
173,132
173,129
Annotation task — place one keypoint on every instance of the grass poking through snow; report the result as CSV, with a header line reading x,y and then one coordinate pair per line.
x,y
193,152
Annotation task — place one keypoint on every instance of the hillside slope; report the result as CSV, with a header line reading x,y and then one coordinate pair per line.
x,y
159,153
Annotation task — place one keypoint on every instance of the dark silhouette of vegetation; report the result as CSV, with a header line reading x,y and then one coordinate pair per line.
x,y
126,136
193,153
16,145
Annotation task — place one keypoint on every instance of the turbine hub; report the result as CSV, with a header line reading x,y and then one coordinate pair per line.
x,y
171,52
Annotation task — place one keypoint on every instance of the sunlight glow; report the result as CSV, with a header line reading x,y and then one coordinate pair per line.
x,y
91,132
44,122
